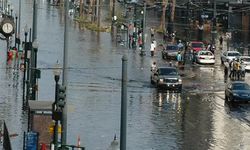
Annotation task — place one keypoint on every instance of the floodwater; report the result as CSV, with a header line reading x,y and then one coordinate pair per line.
x,y
197,118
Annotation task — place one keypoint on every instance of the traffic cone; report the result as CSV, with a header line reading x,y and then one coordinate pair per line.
x,y
43,147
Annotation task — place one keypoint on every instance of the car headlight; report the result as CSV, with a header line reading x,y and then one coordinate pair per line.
x,y
161,80
235,94
179,80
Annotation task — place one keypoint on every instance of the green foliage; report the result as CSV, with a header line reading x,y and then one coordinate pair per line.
x,y
84,22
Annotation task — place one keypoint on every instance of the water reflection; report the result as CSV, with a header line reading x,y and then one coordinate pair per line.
x,y
169,99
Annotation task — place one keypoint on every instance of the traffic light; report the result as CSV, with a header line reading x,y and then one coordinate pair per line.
x,y
56,112
61,96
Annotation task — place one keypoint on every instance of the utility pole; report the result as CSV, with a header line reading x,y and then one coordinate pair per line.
x,y
65,72
19,24
123,128
144,26
34,37
187,21
214,23
229,25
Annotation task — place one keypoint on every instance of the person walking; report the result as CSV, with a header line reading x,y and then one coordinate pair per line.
x,y
237,70
153,67
221,40
152,31
231,67
152,48
226,66
179,59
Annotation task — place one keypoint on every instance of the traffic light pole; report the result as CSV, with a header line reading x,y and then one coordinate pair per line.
x,y
123,126
65,73
55,137
33,53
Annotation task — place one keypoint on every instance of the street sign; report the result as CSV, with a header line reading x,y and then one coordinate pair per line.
x,y
31,141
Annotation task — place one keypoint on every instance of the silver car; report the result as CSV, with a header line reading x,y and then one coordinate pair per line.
x,y
228,56
245,62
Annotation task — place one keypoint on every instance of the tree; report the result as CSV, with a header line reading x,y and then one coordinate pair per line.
x,y
81,9
173,10
163,16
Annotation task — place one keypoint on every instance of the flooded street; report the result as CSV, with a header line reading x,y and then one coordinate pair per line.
x,y
197,118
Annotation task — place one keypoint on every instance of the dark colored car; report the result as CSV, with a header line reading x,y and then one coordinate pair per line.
x,y
170,51
167,78
237,91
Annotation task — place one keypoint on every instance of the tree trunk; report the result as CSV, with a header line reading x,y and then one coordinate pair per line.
x,y
173,10
99,13
81,9
163,16
90,10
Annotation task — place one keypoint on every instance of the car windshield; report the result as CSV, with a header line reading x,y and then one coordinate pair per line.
x,y
197,45
233,54
172,47
167,71
240,86
207,53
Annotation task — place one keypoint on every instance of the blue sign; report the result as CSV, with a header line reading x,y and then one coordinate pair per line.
x,y
31,141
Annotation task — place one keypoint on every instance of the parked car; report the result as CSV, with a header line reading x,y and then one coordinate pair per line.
x,y
205,57
245,61
170,51
228,56
237,91
167,78
196,46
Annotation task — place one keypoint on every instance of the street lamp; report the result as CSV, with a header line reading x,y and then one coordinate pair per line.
x,y
35,45
11,10
16,33
8,9
25,61
56,72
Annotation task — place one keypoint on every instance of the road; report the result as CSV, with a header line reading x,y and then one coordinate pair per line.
x,y
197,118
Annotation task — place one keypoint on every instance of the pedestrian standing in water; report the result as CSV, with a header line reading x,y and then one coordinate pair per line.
x,y
226,66
152,31
221,40
152,48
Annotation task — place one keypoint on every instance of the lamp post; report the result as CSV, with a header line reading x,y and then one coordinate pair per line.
x,y
25,61
11,10
16,32
214,23
8,9
144,25
113,16
56,72
35,45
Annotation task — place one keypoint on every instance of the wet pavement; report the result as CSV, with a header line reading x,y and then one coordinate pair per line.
x,y
197,118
